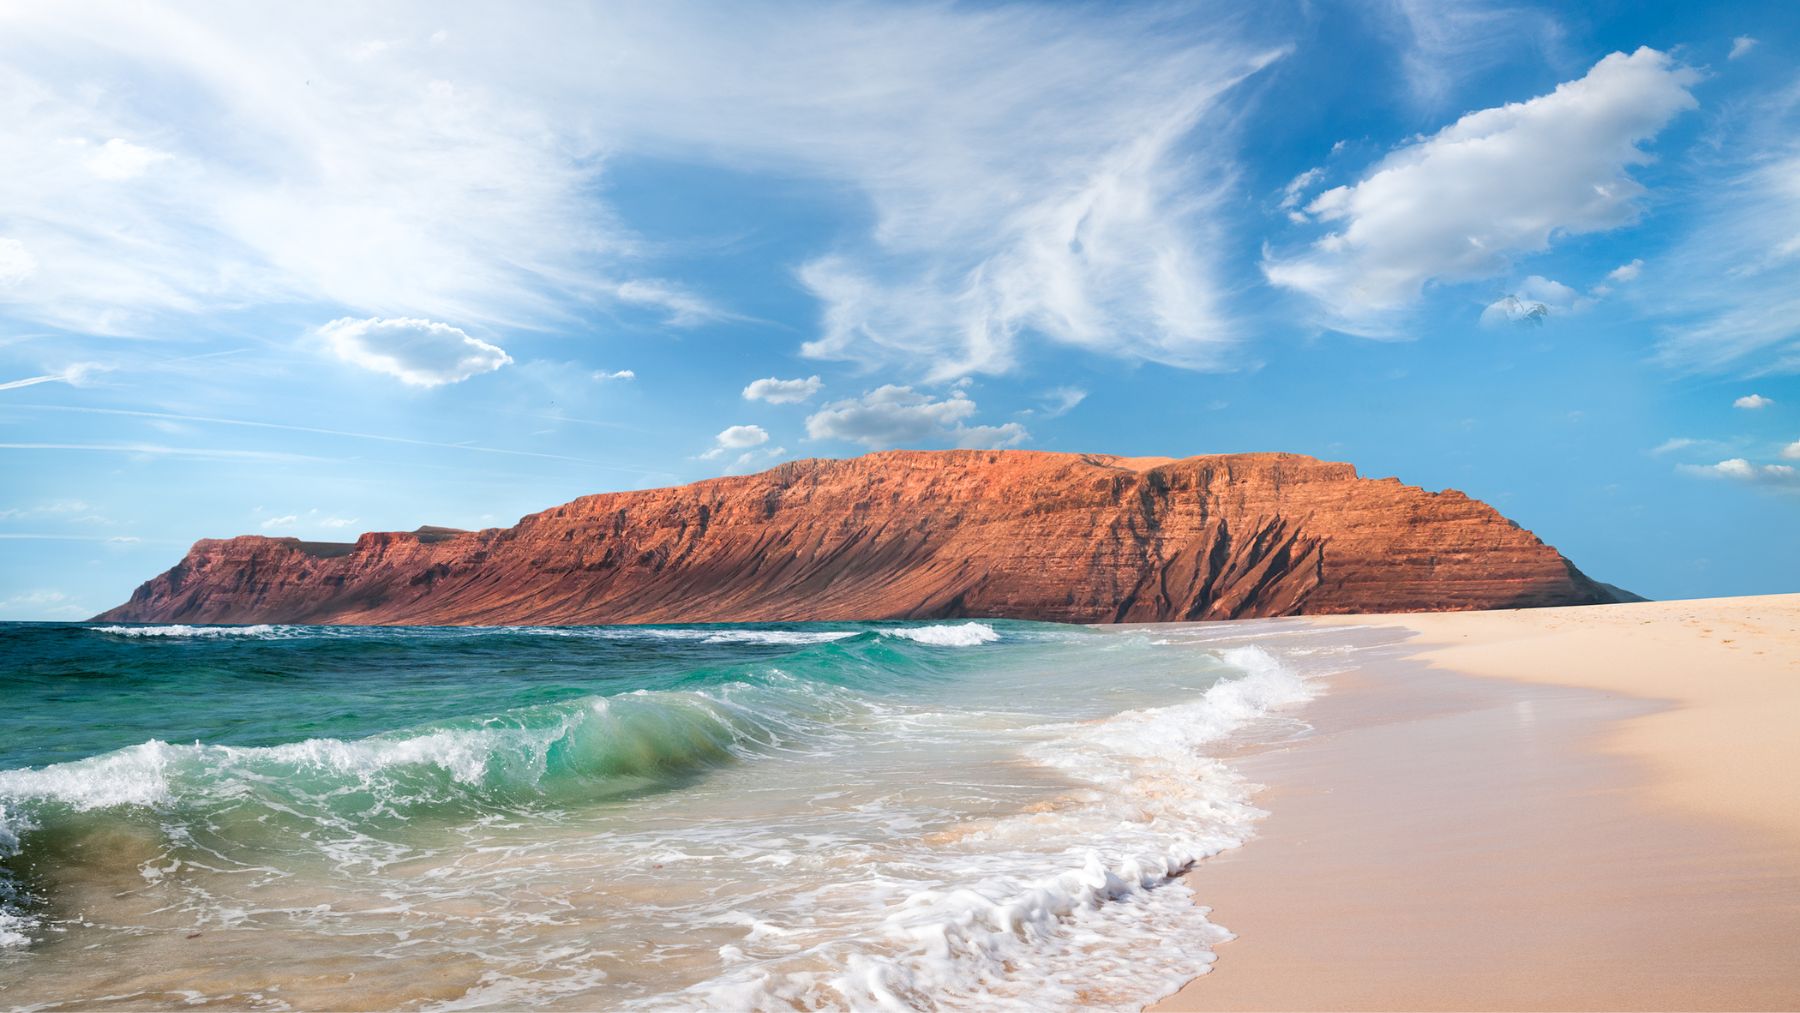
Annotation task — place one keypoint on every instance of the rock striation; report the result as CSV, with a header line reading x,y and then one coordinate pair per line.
x,y
1013,534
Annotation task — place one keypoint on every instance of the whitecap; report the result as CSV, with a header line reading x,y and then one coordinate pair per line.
x,y
261,630
965,635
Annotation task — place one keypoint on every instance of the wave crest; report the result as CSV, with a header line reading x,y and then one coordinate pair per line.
x,y
965,635
261,630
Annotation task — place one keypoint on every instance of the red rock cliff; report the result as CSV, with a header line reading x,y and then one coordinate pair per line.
x,y
911,534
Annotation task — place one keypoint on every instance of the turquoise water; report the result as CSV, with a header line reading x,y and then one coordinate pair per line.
x,y
893,815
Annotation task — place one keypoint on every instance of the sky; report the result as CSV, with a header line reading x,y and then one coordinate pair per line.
x,y
311,270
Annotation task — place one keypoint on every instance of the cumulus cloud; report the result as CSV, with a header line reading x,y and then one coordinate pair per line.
x,y
1626,272
1738,469
1791,451
1752,402
743,436
1497,184
602,376
736,438
777,391
1741,45
420,353
895,415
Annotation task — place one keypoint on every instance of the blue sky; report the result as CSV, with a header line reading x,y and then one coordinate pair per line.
x,y
334,268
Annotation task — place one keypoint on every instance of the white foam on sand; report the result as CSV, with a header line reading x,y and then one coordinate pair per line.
x,y
1080,906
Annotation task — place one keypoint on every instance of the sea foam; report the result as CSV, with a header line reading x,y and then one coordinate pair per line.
x,y
825,827
1078,906
964,635
261,630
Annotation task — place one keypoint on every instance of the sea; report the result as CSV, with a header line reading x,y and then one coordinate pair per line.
x,y
880,816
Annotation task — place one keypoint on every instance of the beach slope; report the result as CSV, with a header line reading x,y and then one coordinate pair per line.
x,y
1566,808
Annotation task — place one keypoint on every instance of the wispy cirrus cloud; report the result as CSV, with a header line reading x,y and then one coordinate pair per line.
x,y
1442,43
1736,308
1028,170
161,450
74,376
473,448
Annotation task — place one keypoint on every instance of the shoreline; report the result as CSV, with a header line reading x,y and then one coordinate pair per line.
x,y
1569,808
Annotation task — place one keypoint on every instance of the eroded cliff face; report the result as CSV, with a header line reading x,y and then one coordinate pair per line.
x,y
910,534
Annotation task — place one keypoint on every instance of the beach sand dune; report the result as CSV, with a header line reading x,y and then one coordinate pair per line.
x,y
1581,808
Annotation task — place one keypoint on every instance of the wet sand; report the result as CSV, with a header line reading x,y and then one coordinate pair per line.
x,y
1591,808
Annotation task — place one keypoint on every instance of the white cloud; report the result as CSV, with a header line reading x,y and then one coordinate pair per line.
x,y
743,436
1533,301
311,519
1752,402
1791,451
1442,42
1497,184
1297,187
751,458
1626,272
1510,309
1675,443
1741,45
602,376
1060,401
736,438
1028,169
75,376
684,308
16,262
65,510
777,391
893,415
1737,307
119,159
153,450
1738,469
43,604
421,353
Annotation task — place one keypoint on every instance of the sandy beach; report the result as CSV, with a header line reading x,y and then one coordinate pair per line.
x,y
1572,808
